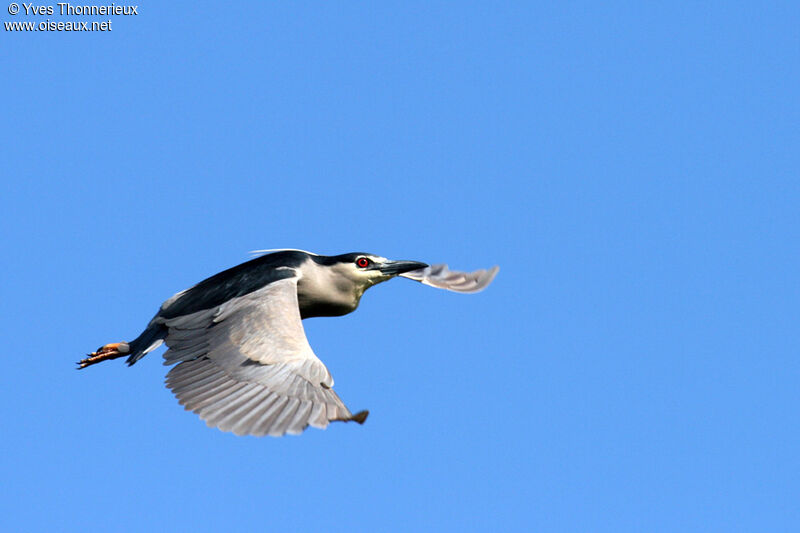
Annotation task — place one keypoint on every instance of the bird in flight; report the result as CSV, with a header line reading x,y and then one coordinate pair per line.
x,y
242,360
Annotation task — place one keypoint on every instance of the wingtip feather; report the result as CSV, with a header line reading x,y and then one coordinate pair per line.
x,y
360,417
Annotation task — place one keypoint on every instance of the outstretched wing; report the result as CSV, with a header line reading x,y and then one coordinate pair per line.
x,y
246,366
441,277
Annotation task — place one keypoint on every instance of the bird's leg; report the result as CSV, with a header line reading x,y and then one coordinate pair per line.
x,y
107,351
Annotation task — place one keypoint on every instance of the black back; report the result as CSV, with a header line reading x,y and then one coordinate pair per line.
x,y
237,281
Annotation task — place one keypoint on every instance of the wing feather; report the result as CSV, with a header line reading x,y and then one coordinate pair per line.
x,y
246,366
441,277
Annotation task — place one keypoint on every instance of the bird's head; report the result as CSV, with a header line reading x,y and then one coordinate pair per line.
x,y
365,270
333,285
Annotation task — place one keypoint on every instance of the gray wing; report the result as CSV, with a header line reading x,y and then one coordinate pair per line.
x,y
246,366
441,277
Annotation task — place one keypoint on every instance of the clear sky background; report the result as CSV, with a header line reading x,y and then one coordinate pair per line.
x,y
635,172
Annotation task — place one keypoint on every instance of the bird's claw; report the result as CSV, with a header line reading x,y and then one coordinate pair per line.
x,y
107,351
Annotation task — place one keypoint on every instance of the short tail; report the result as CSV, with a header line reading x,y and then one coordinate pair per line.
x,y
149,340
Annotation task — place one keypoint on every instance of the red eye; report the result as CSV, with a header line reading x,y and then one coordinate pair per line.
x,y
362,262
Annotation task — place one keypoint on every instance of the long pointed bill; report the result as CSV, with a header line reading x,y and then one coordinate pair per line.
x,y
393,268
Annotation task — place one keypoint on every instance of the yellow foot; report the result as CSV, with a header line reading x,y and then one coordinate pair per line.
x,y
108,351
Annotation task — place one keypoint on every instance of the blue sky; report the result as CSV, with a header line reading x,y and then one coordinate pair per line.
x,y
633,170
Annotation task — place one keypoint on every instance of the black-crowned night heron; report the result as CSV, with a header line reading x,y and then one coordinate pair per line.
x,y
243,361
